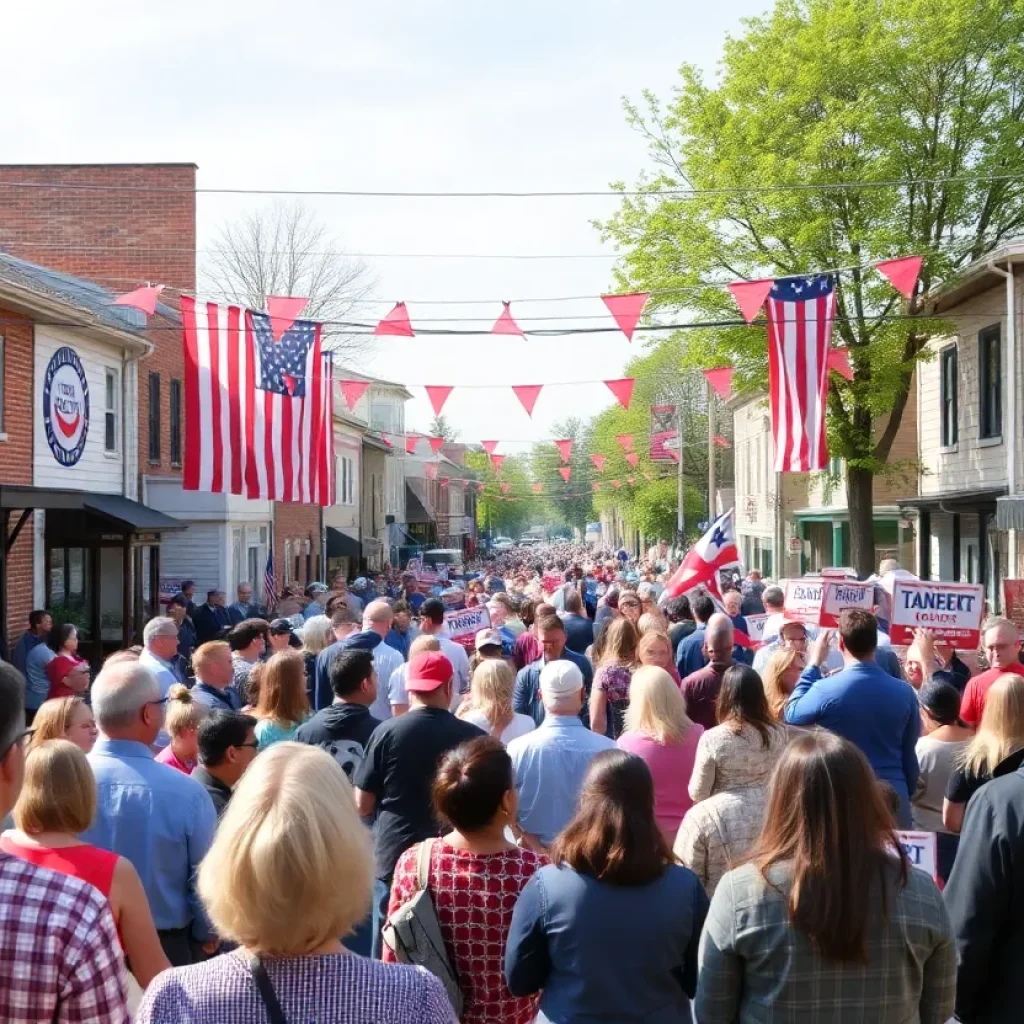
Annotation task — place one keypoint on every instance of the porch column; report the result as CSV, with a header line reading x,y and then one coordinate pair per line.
x,y
837,543
126,591
924,544
956,547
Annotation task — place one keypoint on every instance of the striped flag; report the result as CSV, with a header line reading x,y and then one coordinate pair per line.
x,y
715,551
800,316
269,583
258,415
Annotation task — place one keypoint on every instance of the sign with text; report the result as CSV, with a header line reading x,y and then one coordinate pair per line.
x,y
1013,602
922,850
467,622
169,586
803,600
841,595
953,611
755,627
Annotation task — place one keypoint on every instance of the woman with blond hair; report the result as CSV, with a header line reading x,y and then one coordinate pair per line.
x,y
291,869
65,718
283,705
780,676
491,698
651,622
659,732
57,802
609,696
655,648
181,720
997,748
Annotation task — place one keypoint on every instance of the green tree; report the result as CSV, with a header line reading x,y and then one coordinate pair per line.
x,y
495,513
816,94
564,501
440,427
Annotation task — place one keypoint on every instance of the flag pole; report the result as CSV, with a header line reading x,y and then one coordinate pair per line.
x,y
712,511
680,516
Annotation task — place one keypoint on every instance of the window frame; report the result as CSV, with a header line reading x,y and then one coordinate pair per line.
x,y
111,410
990,391
154,418
174,439
949,403
3,384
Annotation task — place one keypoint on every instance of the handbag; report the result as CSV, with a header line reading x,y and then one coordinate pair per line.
x,y
266,990
413,932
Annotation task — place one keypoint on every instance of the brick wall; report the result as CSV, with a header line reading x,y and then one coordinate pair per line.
x,y
296,523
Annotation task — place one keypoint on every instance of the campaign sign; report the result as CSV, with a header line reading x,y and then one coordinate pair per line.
x,y
803,600
755,627
921,850
65,406
953,611
840,572
841,595
467,622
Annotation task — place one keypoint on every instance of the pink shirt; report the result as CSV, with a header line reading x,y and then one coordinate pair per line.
x,y
671,766
168,757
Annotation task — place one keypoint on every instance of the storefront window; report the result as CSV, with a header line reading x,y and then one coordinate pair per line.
x,y
69,586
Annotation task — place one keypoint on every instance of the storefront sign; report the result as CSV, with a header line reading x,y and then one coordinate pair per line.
x,y
953,611
65,406
921,850
467,622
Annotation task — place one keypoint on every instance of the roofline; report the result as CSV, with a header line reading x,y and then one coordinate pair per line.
x,y
960,286
114,163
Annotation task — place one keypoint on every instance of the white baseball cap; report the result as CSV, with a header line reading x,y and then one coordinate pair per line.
x,y
488,638
559,678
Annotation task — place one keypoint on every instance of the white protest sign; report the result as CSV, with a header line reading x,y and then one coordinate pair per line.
x,y
803,600
468,622
755,627
953,611
922,850
841,595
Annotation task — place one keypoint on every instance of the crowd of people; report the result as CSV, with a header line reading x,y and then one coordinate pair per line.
x,y
602,806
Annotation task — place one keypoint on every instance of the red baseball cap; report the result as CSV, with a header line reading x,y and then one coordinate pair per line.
x,y
428,671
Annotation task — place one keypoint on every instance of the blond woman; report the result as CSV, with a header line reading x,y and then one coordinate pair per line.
x,y
181,720
491,697
65,718
780,676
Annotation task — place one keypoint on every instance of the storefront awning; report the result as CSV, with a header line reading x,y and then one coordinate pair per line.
x,y
341,545
416,502
131,516
978,500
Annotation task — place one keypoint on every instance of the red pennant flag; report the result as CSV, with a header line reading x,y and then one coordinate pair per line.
x,y
527,394
596,486
616,484
436,444
566,472
750,296
438,395
445,481
496,461
722,442
627,310
565,449
838,359
505,488
598,461
410,445
626,440
633,459
902,274
352,391
143,298
622,389
505,324
631,480
396,323
538,488
431,470
490,446
720,380
386,439
283,311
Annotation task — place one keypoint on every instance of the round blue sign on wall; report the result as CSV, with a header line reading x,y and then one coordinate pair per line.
x,y
65,406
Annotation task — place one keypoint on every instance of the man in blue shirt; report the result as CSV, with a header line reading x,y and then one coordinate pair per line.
x,y
40,622
215,672
526,698
153,815
864,704
579,630
690,652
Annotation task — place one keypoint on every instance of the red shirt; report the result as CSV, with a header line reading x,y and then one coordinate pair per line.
x,y
972,704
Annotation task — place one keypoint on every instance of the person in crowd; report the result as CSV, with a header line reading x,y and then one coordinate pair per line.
x,y
40,622
211,619
397,696
652,622
177,609
488,647
188,591
160,640
700,688
491,699
609,929
920,663
815,936
65,718
551,761
862,703
943,742
393,781
181,720
215,673
317,593
244,607
1001,644
71,968
630,606
57,802
774,600
985,900
402,632
690,655
550,632
68,675
282,705
248,642
291,810
609,696
752,590
345,726
996,749
655,648
226,744
526,650
659,731
319,634
475,876
377,621
508,615
161,820
37,682
780,676
732,601
432,624
680,618
951,668
281,637
579,630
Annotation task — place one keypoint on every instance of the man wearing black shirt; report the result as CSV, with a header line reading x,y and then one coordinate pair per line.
x,y
227,745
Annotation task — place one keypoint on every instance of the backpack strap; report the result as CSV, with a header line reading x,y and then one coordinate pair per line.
x,y
423,864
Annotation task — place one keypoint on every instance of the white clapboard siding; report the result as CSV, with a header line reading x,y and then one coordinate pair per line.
x,y
200,553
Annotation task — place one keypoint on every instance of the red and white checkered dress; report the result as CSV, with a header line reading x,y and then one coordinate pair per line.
x,y
474,896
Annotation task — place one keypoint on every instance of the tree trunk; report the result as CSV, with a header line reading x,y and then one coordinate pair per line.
x,y
860,503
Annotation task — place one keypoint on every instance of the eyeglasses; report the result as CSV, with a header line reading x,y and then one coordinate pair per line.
x,y
20,740
255,745
161,701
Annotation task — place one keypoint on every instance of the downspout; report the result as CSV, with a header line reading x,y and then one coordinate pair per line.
x,y
1011,403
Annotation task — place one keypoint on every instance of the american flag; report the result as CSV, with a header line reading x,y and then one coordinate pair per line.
x,y
800,315
258,415
269,583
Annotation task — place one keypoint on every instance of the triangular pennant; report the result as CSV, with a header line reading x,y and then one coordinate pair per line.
x,y
598,461
283,311
496,461
627,310
565,448
527,394
505,488
505,324
622,389
438,395
902,274
436,444
352,391
143,298
490,446
396,323
431,470
720,380
410,445
633,459
616,484
566,472
538,488
750,296
722,442
626,441
631,480
838,359
445,481
596,486
386,438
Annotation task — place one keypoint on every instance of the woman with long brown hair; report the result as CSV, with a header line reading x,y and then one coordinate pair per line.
x,y
609,696
609,929
827,922
282,705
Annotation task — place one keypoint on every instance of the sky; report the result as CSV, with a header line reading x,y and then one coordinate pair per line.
x,y
396,95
